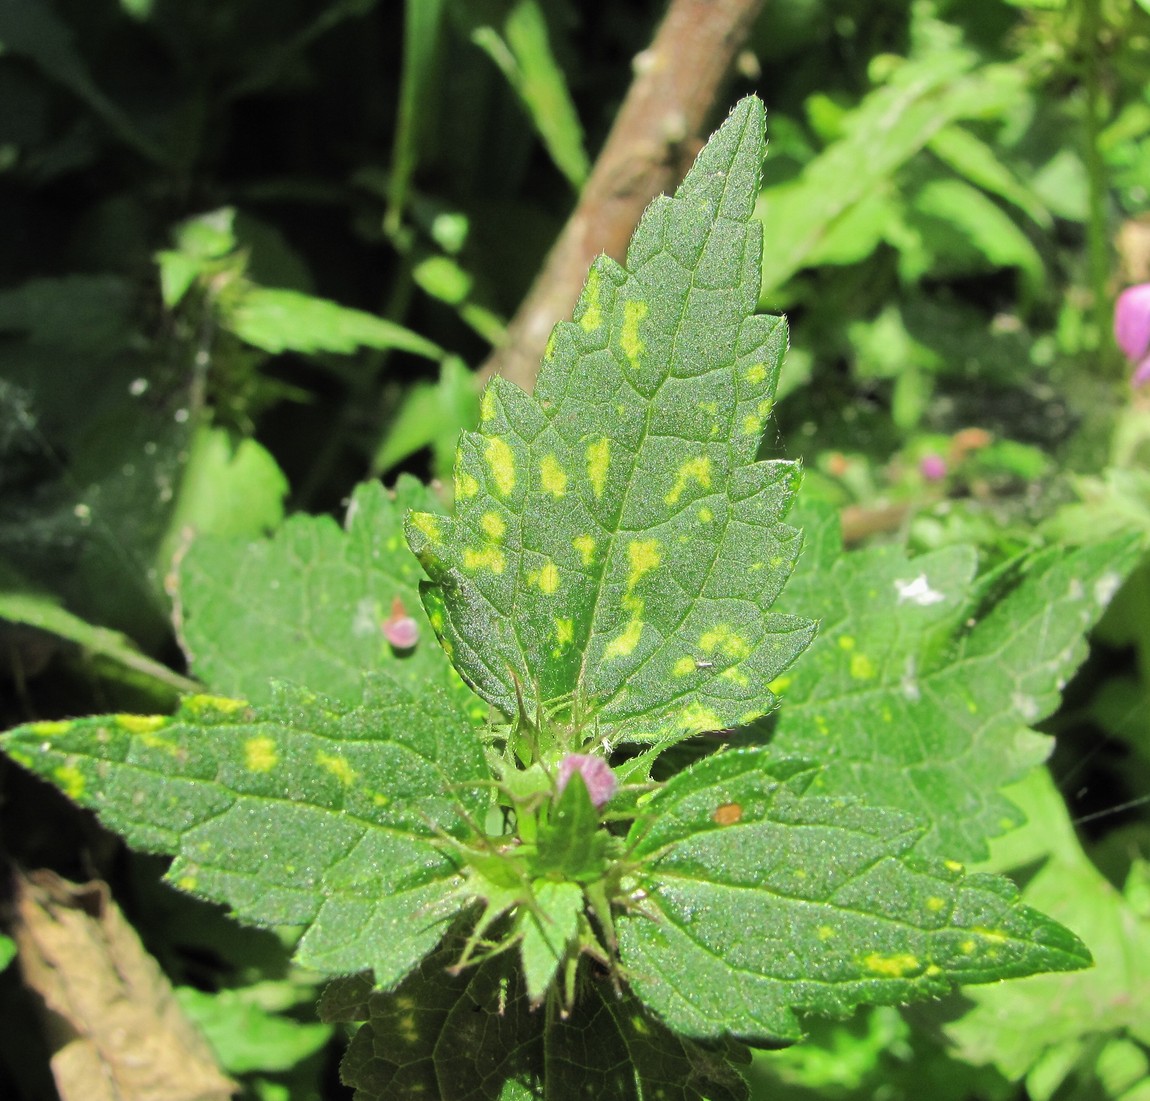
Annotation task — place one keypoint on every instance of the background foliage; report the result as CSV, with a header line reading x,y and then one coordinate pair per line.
x,y
254,253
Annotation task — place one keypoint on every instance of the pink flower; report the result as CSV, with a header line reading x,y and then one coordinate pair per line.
x,y
1132,329
932,467
399,628
596,773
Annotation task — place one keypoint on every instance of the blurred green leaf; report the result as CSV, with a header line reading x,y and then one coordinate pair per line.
x,y
245,1035
515,35
1049,1027
285,320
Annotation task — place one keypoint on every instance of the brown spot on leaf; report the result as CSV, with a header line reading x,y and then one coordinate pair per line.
x,y
727,814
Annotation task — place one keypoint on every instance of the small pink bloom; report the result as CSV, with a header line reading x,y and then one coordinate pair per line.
x,y
596,773
399,628
1132,329
932,467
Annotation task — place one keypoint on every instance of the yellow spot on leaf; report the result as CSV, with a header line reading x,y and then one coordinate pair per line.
x,y
70,780
935,904
825,932
643,556
897,966
705,516
592,315
862,668
260,754
954,865
49,729
187,882
501,460
493,525
564,631
622,645
548,578
552,476
724,639
549,350
629,339
696,470
486,558
752,425
755,373
141,724
684,667
696,717
585,545
465,486
428,523
207,705
598,461
487,405
338,767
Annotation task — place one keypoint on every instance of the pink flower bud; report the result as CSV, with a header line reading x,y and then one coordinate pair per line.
x,y
1132,329
596,773
932,467
399,628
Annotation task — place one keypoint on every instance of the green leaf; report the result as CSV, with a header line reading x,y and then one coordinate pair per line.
x,y
279,320
246,1035
471,1036
968,155
522,50
300,812
422,35
915,695
431,414
42,611
1045,1027
764,900
886,130
308,605
615,546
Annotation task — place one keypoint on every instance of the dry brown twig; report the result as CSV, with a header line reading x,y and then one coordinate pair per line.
x,y
654,138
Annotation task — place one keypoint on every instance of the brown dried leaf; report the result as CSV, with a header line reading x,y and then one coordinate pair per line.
x,y
111,1020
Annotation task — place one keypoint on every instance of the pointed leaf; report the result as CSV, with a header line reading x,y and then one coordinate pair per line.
x,y
615,545
297,812
914,696
765,901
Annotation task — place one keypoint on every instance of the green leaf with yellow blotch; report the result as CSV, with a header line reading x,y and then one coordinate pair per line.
x,y
923,686
762,901
615,547
298,812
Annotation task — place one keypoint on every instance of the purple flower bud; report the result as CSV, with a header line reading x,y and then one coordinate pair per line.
x,y
1132,329
932,467
596,773
399,628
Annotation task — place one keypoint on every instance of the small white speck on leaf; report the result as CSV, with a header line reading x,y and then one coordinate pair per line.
x,y
917,591
1105,588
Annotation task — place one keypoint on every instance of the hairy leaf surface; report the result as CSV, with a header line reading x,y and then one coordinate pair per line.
x,y
471,1036
308,605
615,544
764,900
922,687
298,812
